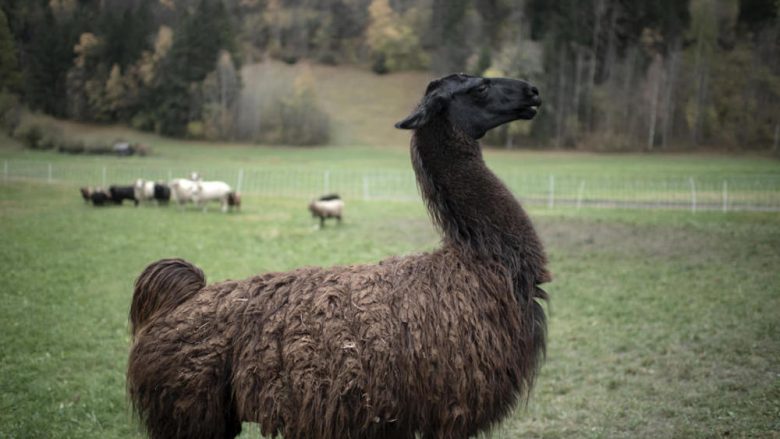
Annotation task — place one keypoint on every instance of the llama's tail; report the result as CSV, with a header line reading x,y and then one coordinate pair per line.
x,y
163,286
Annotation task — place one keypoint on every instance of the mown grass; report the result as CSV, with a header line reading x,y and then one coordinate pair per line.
x,y
662,324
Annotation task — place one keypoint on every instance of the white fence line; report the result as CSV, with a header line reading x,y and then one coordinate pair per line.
x,y
735,193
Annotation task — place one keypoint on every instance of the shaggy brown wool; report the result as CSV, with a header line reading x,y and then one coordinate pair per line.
x,y
441,344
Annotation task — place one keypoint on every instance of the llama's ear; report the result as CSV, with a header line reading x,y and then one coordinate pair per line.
x,y
431,105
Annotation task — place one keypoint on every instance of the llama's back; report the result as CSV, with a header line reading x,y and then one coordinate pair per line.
x,y
426,342
359,350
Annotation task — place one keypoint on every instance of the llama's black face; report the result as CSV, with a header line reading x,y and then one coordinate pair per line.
x,y
475,104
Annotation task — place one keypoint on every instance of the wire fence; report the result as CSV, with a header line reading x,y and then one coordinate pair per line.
x,y
735,193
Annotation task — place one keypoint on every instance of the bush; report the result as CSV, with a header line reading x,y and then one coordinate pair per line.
x,y
30,135
48,142
294,118
71,147
143,121
195,130
380,64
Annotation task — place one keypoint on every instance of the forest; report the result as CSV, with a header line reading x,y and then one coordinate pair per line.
x,y
638,75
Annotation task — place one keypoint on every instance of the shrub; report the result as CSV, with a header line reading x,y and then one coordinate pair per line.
x,y
195,130
294,118
143,121
48,142
30,135
71,147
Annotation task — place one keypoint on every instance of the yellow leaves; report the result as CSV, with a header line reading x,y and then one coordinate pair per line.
x,y
494,72
87,45
147,65
163,42
388,35
115,89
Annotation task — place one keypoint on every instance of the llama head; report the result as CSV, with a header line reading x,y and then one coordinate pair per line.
x,y
475,104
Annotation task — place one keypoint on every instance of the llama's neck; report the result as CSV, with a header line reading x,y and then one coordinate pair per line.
x,y
475,211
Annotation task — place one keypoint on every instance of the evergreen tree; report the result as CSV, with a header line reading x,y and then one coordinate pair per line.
x,y
10,75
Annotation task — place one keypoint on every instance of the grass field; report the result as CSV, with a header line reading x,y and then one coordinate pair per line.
x,y
662,324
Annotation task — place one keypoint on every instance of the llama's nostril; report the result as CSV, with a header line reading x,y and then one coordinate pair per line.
x,y
532,93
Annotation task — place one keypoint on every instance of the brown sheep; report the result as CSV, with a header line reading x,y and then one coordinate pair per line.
x,y
441,344
327,206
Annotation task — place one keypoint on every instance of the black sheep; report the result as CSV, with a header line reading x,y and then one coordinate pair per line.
x,y
99,197
121,193
162,193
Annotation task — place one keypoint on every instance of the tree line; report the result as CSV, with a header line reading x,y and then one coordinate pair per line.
x,y
616,74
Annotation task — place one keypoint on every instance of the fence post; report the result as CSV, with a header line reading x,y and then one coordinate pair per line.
x,y
240,179
725,196
580,192
48,177
693,194
551,195
365,188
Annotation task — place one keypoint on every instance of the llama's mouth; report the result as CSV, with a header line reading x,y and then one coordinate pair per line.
x,y
528,112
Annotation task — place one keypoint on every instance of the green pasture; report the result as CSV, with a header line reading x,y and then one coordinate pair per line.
x,y
662,323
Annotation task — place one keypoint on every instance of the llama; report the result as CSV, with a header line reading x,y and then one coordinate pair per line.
x,y
440,344
327,206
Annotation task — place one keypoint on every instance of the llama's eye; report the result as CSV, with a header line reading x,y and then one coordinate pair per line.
x,y
481,89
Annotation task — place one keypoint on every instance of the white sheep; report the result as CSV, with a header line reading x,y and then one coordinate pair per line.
x,y
182,190
327,206
206,191
144,190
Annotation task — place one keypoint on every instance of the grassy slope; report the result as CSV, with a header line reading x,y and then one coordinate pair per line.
x,y
362,105
661,324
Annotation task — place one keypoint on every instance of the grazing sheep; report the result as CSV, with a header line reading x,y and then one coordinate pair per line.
x,y
121,193
206,191
327,206
86,192
143,190
234,200
182,190
162,193
100,197
439,344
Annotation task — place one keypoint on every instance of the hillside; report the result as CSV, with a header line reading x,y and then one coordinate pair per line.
x,y
362,105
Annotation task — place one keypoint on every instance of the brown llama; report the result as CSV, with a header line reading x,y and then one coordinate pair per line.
x,y
440,344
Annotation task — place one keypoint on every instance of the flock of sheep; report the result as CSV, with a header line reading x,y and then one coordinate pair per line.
x,y
179,190
194,190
